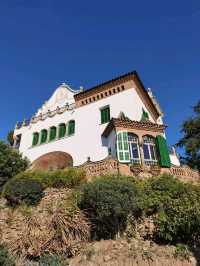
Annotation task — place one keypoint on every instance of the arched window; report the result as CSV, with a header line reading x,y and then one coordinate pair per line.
x,y
62,130
35,138
52,135
149,150
71,127
43,136
133,144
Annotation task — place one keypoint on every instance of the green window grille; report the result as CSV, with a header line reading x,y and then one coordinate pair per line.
x,y
71,127
163,152
43,136
62,130
123,153
105,115
52,135
145,116
35,139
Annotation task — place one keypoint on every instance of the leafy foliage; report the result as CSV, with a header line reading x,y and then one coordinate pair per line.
x,y
49,260
175,207
10,138
108,201
69,178
23,190
5,258
11,163
191,139
182,252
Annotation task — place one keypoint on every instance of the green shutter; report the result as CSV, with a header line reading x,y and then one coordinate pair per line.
x,y
163,152
52,133
71,127
62,130
105,115
35,139
145,116
122,147
43,136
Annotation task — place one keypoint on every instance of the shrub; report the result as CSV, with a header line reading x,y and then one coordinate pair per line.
x,y
5,258
108,201
11,163
23,190
175,207
52,260
182,252
66,178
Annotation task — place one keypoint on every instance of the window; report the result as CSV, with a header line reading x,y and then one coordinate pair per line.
x,y
123,153
43,136
145,116
105,115
35,139
62,130
52,135
71,127
149,150
133,144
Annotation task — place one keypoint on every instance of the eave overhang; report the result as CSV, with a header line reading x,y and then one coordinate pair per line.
x,y
132,124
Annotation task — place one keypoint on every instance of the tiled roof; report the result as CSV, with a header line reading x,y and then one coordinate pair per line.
x,y
127,123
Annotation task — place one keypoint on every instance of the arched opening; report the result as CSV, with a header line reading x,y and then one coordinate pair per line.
x,y
149,150
35,138
53,161
44,134
62,131
133,143
52,134
71,127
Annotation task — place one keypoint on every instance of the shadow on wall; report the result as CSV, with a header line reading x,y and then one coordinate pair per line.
x,y
53,161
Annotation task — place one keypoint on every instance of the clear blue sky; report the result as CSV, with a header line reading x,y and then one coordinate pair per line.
x,y
45,43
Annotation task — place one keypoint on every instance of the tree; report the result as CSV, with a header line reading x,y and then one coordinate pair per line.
x,y
191,139
11,163
10,139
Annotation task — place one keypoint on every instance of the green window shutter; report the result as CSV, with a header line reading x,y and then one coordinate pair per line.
x,y
43,136
71,127
52,133
145,116
163,152
62,130
35,139
122,147
105,115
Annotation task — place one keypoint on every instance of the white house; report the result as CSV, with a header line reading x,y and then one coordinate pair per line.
x,y
118,118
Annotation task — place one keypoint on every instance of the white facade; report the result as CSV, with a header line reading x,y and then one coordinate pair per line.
x,y
87,141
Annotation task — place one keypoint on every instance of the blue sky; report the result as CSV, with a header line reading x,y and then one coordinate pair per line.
x,y
83,43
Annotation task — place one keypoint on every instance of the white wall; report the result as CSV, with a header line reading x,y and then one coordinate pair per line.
x,y
87,141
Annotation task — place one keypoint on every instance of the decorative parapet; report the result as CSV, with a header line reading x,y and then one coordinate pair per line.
x,y
185,173
108,165
42,117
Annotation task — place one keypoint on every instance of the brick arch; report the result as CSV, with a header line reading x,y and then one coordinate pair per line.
x,y
52,161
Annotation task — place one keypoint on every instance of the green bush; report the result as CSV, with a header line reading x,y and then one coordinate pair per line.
x,y
5,258
52,260
21,190
11,163
69,178
175,207
108,201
